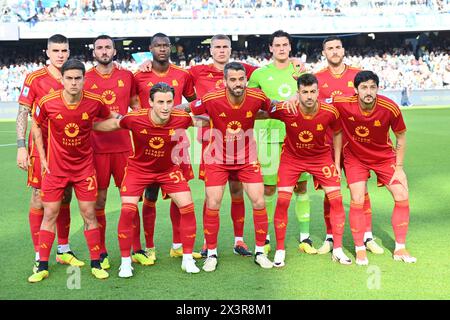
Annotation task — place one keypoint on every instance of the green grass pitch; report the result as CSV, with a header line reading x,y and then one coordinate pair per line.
x,y
303,277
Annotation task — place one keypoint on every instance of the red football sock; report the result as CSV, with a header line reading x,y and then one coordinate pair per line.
x,y
400,220
101,220
326,214
357,223
35,216
261,224
93,242
149,220
280,219
63,224
137,232
188,227
125,228
46,239
238,216
367,212
175,217
337,217
211,225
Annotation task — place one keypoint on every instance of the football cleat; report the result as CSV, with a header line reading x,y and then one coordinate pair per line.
x,y
204,251
104,261
241,249
403,255
38,276
278,260
141,258
373,247
326,247
306,246
361,258
99,273
341,258
263,261
188,265
69,258
210,263
151,253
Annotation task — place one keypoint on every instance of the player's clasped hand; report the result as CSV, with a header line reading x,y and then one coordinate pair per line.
x,y
23,161
400,176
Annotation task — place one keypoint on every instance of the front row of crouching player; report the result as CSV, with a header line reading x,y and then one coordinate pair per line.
x,y
362,121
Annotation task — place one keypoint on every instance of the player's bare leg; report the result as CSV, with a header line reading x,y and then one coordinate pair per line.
x,y
357,220
400,222
183,200
255,192
302,211
238,217
92,235
211,223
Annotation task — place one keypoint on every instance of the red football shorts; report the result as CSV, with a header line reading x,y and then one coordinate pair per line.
x,y
357,171
107,164
170,181
219,174
201,170
34,173
53,187
322,168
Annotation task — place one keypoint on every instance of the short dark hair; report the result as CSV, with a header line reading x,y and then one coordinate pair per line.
x,y
233,66
161,87
57,38
158,35
307,79
364,76
104,37
279,34
220,37
73,64
331,38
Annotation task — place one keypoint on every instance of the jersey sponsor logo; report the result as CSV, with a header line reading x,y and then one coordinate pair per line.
x,y
351,118
94,86
71,130
120,83
143,131
109,97
336,93
85,116
362,131
156,143
249,114
59,116
294,124
223,115
305,136
234,127
284,90
174,83
25,91
319,127
350,84
377,123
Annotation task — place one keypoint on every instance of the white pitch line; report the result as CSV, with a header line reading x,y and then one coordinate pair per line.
x,y
8,145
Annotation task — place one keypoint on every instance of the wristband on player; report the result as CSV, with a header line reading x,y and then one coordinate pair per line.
x,y
119,116
21,143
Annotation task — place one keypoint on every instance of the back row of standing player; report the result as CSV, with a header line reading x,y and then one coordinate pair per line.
x,y
117,91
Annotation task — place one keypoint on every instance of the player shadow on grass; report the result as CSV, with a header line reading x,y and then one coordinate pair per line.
x,y
384,239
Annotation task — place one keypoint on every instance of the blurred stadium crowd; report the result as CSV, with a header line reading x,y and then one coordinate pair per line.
x,y
397,69
34,11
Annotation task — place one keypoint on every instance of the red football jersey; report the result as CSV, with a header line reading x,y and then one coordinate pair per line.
x,y
231,135
153,144
116,90
331,85
367,133
176,77
208,78
306,134
69,151
36,85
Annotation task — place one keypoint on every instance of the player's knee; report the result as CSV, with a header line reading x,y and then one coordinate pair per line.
x,y
401,195
36,201
258,203
269,190
213,203
358,198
